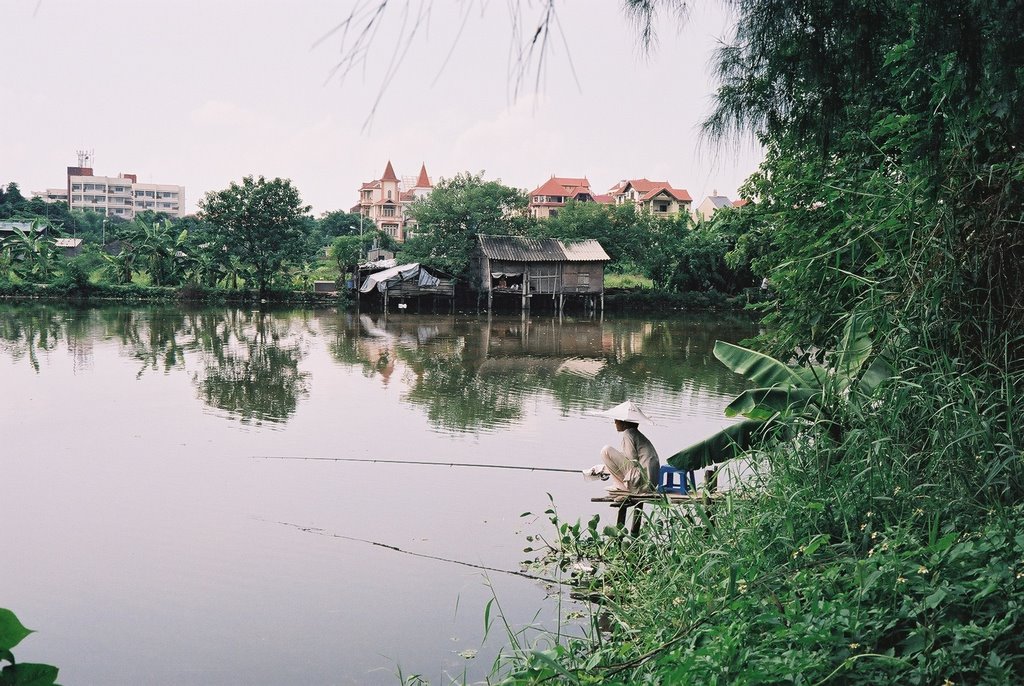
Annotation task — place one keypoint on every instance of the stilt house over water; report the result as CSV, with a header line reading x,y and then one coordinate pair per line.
x,y
529,268
410,283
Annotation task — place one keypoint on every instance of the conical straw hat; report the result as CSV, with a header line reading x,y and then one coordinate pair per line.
x,y
627,412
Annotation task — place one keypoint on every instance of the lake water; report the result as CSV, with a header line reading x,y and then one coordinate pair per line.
x,y
146,544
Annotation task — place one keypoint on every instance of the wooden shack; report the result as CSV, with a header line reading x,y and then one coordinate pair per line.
x,y
529,268
410,283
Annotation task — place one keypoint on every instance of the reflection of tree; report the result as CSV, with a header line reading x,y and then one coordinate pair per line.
x,y
244,363
25,331
476,373
459,398
251,368
263,384
249,361
465,373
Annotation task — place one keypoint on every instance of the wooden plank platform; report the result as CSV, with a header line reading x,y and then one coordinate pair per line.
x,y
620,497
623,500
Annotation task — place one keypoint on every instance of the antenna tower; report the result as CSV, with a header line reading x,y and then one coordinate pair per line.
x,y
85,158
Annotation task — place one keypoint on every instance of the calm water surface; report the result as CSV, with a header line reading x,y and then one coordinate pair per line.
x,y
146,545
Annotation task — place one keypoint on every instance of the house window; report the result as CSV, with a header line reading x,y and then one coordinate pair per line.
x,y
583,279
388,211
389,195
662,207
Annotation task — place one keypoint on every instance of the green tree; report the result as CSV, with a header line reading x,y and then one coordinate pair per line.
x,y
341,223
261,223
455,212
880,120
346,252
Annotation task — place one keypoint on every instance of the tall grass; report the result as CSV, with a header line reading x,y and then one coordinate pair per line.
x,y
892,554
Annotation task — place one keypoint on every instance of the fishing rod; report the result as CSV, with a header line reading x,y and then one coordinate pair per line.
x,y
330,534
420,462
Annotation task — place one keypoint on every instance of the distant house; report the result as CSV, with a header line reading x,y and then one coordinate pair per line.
x,y
528,268
69,247
710,205
550,197
657,197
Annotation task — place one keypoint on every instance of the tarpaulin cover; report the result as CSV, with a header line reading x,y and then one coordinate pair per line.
x,y
384,280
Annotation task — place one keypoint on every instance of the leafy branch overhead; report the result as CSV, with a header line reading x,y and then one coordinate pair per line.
x,y
20,673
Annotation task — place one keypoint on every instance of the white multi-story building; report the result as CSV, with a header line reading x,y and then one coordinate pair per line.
x,y
116,196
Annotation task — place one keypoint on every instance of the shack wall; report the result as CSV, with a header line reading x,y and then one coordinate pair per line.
x,y
583,277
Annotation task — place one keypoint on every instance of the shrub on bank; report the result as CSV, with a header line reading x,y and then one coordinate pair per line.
x,y
660,301
887,551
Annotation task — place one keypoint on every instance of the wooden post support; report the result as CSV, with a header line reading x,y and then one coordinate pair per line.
x,y
638,517
621,519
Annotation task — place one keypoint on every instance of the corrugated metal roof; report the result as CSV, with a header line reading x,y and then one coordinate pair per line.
x,y
520,249
585,251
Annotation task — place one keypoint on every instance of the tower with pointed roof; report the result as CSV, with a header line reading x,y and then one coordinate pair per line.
x,y
385,201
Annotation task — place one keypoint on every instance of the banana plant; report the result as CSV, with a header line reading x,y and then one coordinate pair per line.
x,y
32,254
812,394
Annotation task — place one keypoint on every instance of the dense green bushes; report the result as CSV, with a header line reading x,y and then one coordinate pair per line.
x,y
881,545
893,556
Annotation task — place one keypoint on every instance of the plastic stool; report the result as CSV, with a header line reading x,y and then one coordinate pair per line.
x,y
667,480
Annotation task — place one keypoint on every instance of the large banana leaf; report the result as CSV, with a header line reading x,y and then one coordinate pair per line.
x,y
763,403
763,370
878,371
728,443
812,376
854,348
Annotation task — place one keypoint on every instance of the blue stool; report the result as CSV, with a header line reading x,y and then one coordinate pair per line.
x,y
667,480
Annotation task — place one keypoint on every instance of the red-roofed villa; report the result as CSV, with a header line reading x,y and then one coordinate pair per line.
x,y
551,196
657,197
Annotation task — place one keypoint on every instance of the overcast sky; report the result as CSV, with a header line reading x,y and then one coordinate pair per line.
x,y
203,92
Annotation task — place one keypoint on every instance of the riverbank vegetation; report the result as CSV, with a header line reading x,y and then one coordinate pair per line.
x,y
256,240
877,539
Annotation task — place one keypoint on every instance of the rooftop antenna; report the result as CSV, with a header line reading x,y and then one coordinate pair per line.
x,y
85,158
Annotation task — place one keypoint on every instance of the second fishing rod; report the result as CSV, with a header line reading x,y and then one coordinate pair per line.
x,y
432,463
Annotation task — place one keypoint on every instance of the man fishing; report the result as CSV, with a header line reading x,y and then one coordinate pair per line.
x,y
634,468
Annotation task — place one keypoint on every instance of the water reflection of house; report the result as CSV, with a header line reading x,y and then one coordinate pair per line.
x,y
380,339
551,345
523,269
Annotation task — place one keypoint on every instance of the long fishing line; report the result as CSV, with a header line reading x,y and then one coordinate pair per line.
x,y
419,462
330,534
